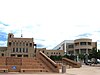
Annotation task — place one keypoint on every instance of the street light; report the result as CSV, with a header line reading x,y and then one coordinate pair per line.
x,y
35,45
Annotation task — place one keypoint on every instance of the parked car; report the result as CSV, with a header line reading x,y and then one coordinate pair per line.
x,y
98,61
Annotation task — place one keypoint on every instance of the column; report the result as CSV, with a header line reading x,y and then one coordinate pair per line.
x,y
79,51
87,51
66,51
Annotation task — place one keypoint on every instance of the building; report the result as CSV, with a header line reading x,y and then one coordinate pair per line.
x,y
24,47
18,47
22,55
64,45
77,46
51,52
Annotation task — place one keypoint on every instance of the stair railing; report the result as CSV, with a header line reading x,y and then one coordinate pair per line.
x,y
71,63
50,63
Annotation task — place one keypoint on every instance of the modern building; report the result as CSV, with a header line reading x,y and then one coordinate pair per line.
x,y
77,46
64,45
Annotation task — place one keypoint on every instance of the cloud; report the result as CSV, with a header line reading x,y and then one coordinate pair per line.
x,y
50,22
40,39
98,40
97,31
84,35
3,43
40,45
4,24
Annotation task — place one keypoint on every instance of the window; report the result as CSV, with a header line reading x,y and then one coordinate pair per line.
x,y
13,50
16,49
89,43
10,36
13,43
2,54
26,44
23,49
76,44
23,43
26,50
12,55
19,55
30,44
83,51
17,44
82,43
20,50
20,44
9,43
25,55
70,46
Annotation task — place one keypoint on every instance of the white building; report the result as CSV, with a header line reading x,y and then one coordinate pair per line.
x,y
77,46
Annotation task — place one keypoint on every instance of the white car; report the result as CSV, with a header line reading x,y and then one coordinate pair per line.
x,y
98,60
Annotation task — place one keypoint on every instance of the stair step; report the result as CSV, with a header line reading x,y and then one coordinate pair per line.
x,y
34,70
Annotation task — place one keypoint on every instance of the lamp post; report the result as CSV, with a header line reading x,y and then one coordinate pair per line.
x,y
86,59
35,45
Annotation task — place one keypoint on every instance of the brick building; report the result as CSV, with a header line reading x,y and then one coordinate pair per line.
x,y
24,47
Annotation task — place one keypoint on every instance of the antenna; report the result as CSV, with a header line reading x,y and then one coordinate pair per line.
x,y
21,33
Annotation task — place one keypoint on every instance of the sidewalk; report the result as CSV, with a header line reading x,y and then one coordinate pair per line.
x,y
84,70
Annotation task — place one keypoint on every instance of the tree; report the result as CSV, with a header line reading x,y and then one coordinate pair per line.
x,y
94,53
72,57
81,56
98,56
56,58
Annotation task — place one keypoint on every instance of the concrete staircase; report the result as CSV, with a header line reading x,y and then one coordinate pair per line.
x,y
33,65
13,64
40,63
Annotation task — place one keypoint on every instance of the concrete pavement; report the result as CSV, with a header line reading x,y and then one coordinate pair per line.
x,y
84,70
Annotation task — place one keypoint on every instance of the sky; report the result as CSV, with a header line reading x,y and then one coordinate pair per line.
x,y
50,22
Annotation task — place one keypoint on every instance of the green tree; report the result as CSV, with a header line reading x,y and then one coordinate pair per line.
x,y
94,53
81,56
98,54
52,57
72,57
56,58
